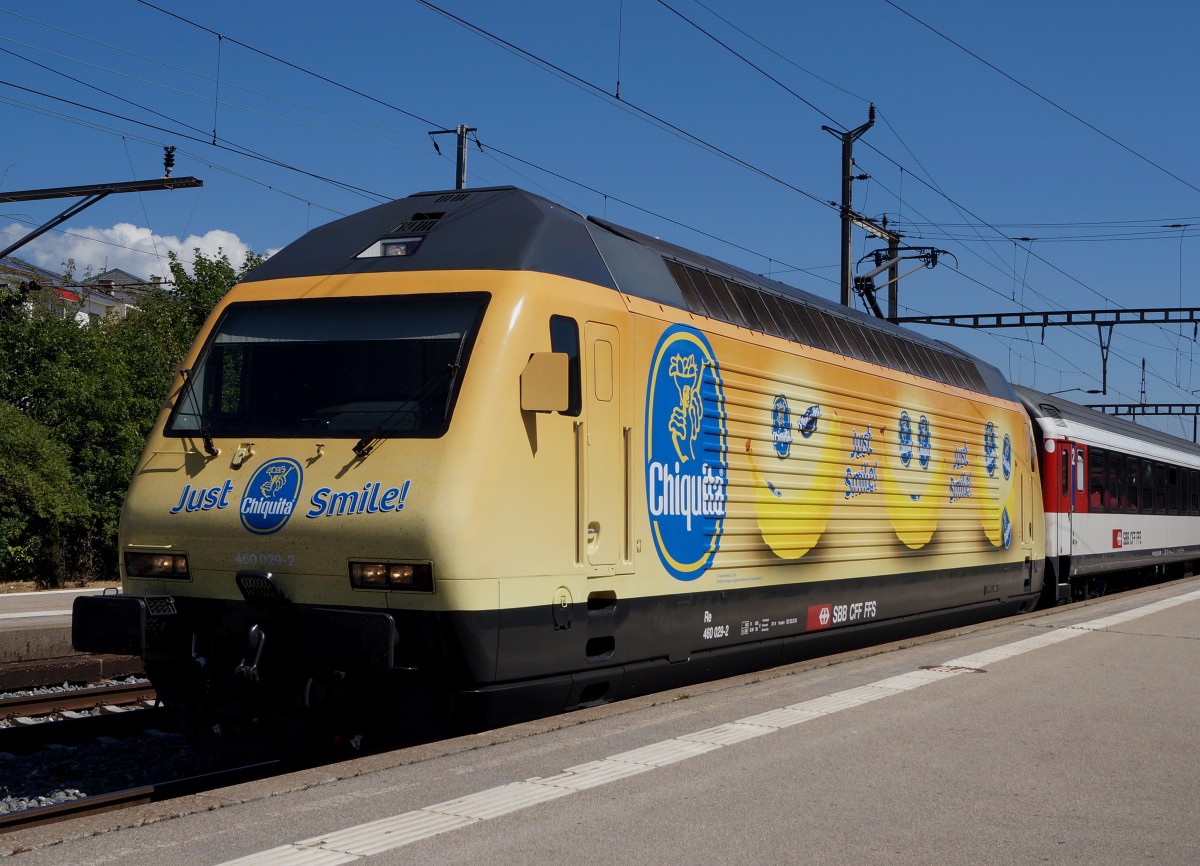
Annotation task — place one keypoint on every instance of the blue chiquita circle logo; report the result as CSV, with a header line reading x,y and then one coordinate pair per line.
x,y
1006,457
270,496
686,452
1006,528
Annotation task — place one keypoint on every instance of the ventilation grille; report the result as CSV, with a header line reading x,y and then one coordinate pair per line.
x,y
452,196
1051,411
419,223
717,297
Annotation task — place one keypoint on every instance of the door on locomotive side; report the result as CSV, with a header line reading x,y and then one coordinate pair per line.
x,y
606,449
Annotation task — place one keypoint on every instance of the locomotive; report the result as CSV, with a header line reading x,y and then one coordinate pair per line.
x,y
469,455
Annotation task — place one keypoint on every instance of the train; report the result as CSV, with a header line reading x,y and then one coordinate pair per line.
x,y
1121,500
469,457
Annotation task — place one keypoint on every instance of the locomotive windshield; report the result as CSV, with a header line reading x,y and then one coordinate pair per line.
x,y
341,368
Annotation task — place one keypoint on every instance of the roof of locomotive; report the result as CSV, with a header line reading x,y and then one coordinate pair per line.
x,y
506,228
1061,414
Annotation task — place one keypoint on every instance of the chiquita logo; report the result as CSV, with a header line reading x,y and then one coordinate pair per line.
x,y
271,495
685,452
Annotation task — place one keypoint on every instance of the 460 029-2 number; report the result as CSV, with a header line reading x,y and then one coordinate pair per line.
x,y
271,560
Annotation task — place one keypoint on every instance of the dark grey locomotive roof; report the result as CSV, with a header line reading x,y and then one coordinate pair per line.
x,y
1060,413
505,228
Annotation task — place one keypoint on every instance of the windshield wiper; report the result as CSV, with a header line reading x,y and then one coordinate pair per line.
x,y
364,446
209,447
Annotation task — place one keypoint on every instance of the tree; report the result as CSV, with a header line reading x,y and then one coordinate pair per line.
x,y
81,399
40,507
199,291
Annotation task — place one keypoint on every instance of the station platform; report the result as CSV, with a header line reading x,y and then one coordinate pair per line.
x,y
35,641
1065,736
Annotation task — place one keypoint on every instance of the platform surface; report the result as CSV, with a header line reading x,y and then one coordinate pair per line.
x,y
1063,738
37,625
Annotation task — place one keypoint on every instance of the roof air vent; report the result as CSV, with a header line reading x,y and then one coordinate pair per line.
x,y
419,223
1052,412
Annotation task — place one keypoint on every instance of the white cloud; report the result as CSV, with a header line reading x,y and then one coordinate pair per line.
x,y
128,247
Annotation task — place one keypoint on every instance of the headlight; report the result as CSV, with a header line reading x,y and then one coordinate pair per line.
x,y
172,566
412,576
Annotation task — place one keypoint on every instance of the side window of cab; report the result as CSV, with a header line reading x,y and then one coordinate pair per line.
x,y
564,337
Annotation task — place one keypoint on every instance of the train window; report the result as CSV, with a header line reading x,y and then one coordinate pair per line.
x,y
818,327
1097,472
939,368
967,375
909,356
869,339
847,335
564,337
785,314
715,297
888,350
691,296
925,362
1112,481
1160,489
1172,490
837,337
1146,486
809,326
1194,493
764,312
735,306
337,367
746,312
1129,488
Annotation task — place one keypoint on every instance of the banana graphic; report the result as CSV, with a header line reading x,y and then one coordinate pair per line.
x,y
914,477
795,476
998,501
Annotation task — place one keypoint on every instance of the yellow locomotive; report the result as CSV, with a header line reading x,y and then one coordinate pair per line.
x,y
470,454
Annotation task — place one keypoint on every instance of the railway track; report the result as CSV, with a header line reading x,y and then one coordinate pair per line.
x,y
93,805
66,718
95,698
89,740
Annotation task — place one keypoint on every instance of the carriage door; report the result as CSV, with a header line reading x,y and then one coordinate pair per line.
x,y
1073,493
604,522
1063,500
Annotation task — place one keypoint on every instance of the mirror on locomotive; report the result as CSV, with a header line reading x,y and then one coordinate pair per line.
x,y
544,383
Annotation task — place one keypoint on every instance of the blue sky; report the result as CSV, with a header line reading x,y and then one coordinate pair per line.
x,y
963,157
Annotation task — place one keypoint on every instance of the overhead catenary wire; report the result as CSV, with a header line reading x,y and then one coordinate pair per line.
x,y
1033,91
928,183
597,89
594,189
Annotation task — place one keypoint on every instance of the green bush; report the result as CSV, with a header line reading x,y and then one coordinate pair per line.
x,y
77,404
41,509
